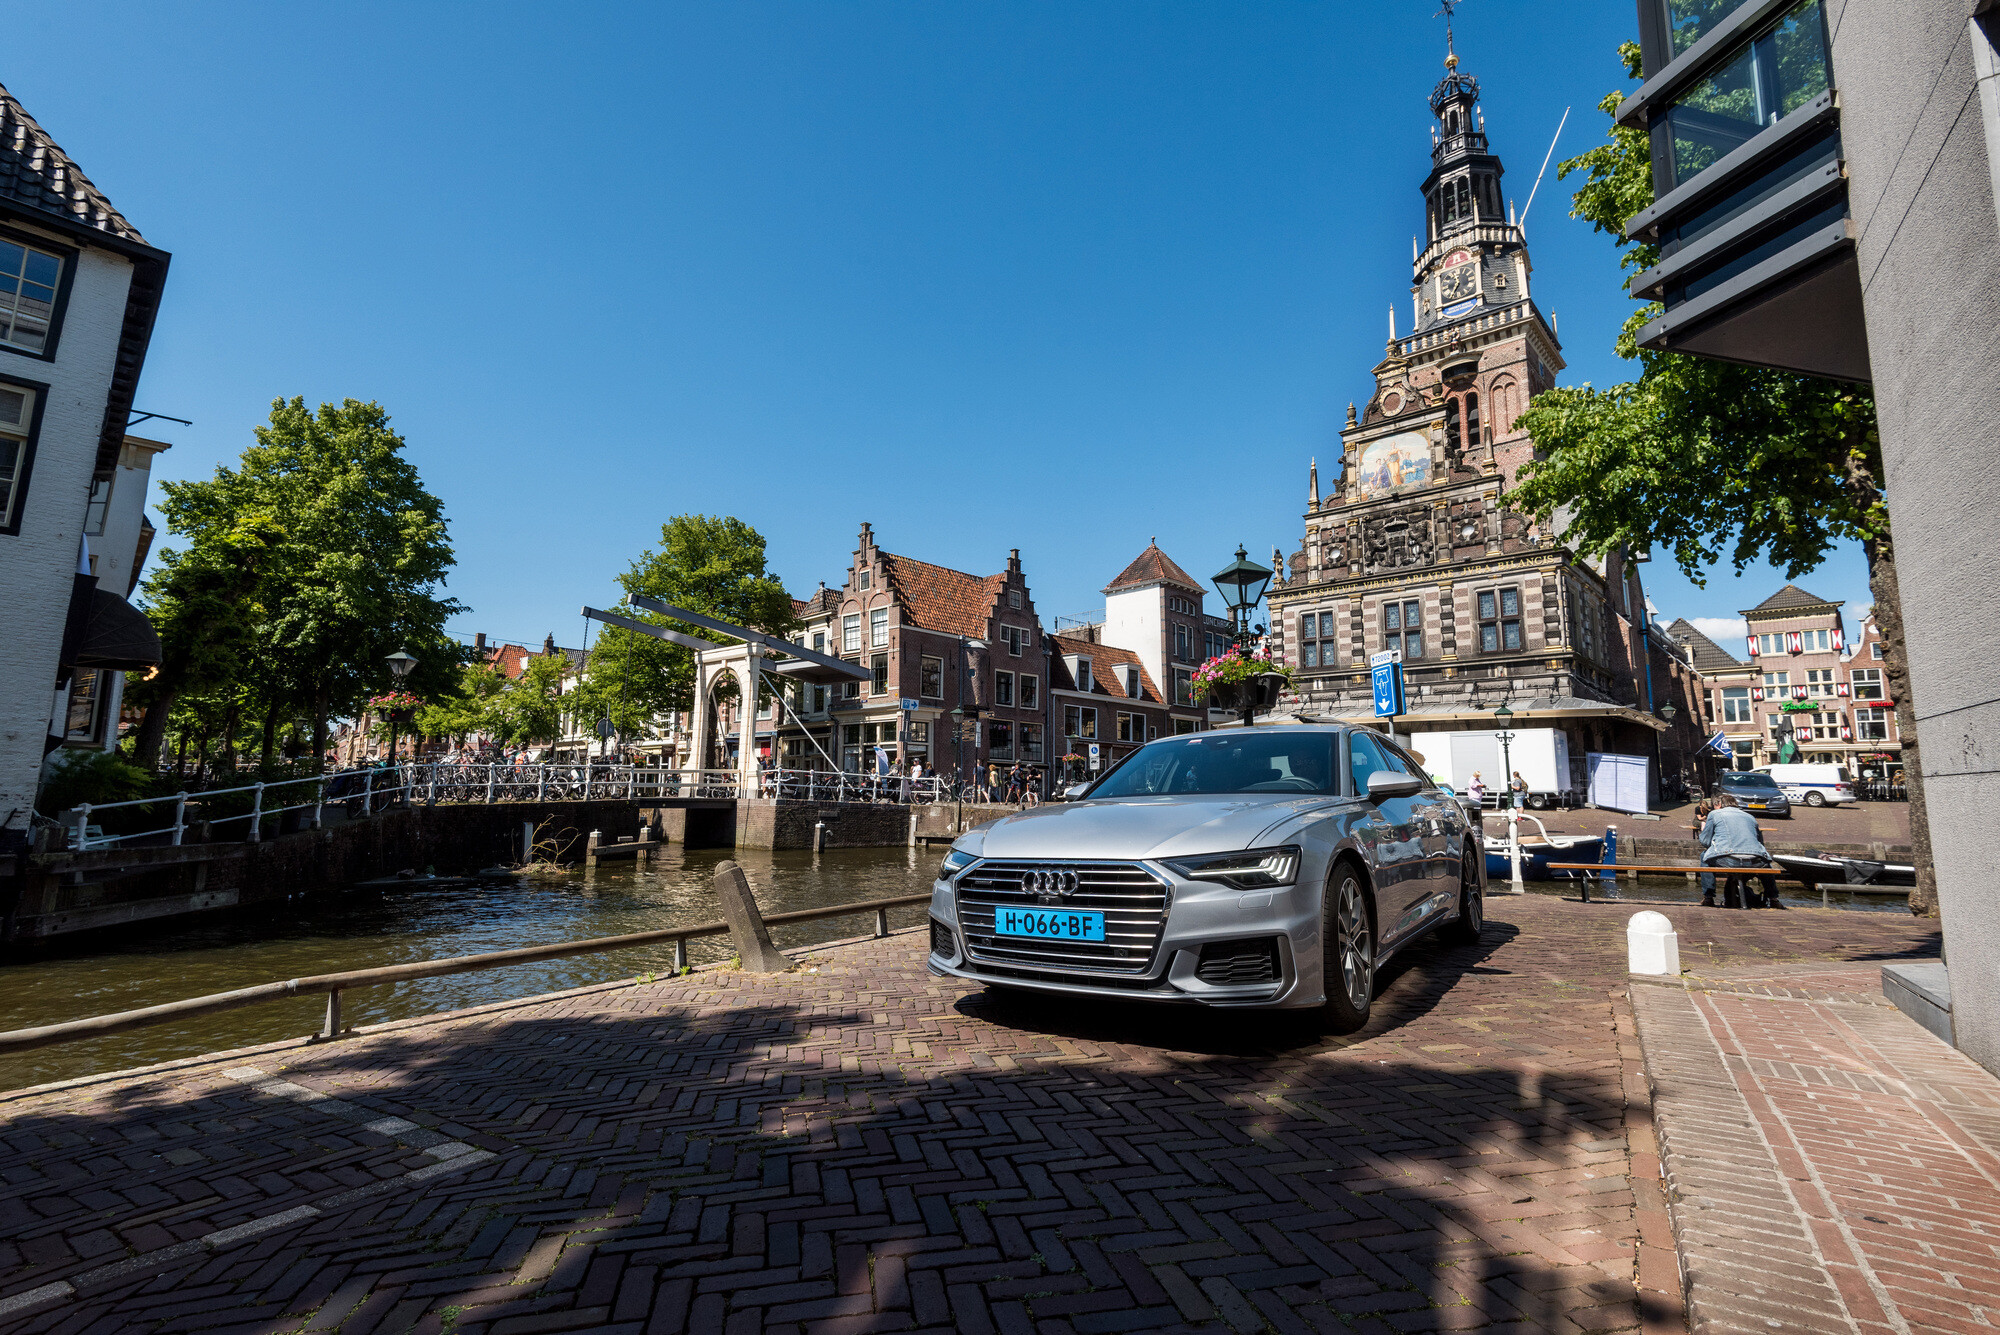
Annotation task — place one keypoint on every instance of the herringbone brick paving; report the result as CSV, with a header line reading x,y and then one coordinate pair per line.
x,y
858,1146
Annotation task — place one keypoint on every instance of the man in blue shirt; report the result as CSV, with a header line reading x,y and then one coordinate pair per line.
x,y
1729,838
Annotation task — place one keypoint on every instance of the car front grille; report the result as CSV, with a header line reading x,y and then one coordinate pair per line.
x,y
1132,899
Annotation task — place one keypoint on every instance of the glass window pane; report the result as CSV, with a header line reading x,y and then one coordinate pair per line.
x,y
1309,654
1690,20
13,407
1485,606
1489,638
1326,625
1510,602
1716,116
1513,634
1413,644
42,268
1412,614
11,257
1799,51
1392,617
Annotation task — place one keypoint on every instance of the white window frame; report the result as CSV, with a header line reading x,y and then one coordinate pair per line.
x,y
1003,689
20,435
878,628
850,633
1014,636
1868,679
1031,690
1736,705
10,302
924,666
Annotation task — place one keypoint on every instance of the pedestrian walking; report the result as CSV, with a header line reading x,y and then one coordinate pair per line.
x,y
1475,793
1519,789
992,792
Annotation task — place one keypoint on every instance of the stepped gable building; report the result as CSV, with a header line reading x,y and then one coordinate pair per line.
x,y
1413,547
910,623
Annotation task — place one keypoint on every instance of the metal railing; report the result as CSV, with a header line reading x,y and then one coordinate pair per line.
x,y
334,984
366,791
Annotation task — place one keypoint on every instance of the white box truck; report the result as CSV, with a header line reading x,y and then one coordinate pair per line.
x,y
1540,754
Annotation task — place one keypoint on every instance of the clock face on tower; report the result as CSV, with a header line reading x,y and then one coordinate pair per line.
x,y
1458,283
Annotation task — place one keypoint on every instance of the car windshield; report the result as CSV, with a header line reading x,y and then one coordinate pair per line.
x,y
1248,761
1749,781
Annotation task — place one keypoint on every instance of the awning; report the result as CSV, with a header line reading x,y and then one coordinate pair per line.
x,y
116,635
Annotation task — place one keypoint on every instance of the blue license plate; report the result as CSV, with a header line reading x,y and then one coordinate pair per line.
x,y
1053,923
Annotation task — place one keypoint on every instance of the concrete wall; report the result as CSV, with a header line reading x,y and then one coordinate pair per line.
x,y
37,564
1916,140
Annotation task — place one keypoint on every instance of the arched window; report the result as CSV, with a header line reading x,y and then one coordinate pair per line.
x,y
1451,432
1472,419
1504,404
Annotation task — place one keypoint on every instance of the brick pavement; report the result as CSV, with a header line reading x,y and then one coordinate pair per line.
x,y
1833,1167
858,1146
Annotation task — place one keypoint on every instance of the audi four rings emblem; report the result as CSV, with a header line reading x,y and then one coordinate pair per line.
x,y
1049,883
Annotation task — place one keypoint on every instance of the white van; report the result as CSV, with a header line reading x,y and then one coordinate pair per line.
x,y
1814,785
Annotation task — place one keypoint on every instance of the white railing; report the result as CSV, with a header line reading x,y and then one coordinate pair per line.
x,y
362,792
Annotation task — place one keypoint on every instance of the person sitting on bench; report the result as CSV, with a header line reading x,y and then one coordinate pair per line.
x,y
1730,838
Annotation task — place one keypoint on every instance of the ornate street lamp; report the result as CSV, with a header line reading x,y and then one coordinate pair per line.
x,y
400,665
1241,584
1505,718
965,719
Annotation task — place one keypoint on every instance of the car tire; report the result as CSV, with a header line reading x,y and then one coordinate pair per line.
x,y
1464,930
1347,935
1815,800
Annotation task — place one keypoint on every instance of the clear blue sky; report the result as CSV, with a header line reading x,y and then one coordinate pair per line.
x,y
987,276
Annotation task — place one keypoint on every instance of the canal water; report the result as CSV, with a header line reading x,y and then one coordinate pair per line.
x,y
98,975
144,967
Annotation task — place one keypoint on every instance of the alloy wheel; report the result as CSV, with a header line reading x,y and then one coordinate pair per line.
x,y
1357,946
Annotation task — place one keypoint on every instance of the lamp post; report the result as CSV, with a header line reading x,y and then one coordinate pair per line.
x,y
965,716
1505,718
1241,584
400,665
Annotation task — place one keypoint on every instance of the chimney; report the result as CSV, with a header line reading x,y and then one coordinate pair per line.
x,y
1014,561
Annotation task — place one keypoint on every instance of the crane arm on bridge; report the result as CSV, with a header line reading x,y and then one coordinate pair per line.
x,y
744,633
647,628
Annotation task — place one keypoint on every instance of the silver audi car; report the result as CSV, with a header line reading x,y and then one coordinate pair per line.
x,y
1259,867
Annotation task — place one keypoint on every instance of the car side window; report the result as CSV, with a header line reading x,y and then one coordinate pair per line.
x,y
1366,755
1406,762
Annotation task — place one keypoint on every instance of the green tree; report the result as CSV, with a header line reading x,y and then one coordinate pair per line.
x,y
531,708
357,576
1703,459
204,602
709,564
471,707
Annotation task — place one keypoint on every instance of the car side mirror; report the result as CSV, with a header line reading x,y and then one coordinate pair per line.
x,y
1384,784
1076,792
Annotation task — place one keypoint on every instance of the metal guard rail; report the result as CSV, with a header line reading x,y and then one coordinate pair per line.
x,y
333,984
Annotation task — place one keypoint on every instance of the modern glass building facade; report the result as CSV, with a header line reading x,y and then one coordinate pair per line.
x,y
1751,227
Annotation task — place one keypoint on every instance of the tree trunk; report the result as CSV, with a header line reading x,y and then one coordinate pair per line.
x,y
269,759
232,720
181,757
319,732
1881,550
152,736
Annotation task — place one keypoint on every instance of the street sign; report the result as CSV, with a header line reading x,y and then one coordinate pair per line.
x,y
1385,671
1093,755
907,705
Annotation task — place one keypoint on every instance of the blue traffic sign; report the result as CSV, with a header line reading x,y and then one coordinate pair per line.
x,y
1386,671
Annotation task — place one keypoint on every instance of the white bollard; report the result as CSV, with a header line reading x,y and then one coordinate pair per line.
x,y
1652,945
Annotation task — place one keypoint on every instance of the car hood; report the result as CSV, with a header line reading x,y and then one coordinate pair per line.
x,y
1147,827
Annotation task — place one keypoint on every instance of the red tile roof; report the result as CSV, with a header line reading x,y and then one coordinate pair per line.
x,y
1106,678
1791,596
939,598
1153,566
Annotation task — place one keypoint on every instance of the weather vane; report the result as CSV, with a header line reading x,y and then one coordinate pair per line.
x,y
1446,13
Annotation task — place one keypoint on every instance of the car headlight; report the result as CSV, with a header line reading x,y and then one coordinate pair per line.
x,y
1257,869
955,862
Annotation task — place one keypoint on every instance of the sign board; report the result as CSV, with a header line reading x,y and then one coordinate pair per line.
x,y
1385,670
907,705
1619,783
1093,755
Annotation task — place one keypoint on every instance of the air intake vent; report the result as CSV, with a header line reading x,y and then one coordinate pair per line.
x,y
943,944
1229,963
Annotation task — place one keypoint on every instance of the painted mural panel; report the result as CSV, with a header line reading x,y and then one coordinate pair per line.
x,y
1394,462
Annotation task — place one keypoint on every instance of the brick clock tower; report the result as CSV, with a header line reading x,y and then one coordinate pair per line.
x,y
1413,546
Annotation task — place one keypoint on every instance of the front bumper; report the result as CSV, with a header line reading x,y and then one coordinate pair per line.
x,y
1199,914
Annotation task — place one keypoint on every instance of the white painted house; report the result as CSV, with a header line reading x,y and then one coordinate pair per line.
x,y
79,288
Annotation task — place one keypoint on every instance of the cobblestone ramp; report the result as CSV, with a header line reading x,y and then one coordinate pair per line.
x,y
865,1147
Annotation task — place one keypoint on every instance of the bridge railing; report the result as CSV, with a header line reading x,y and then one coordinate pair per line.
x,y
362,792
332,985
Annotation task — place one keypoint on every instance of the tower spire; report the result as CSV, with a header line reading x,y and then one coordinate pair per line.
x,y
1312,490
1450,51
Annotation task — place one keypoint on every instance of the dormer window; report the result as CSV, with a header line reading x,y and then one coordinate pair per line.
x,y
1132,681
